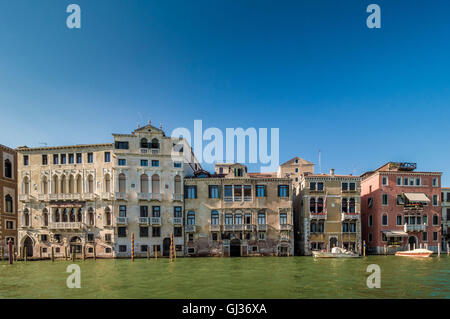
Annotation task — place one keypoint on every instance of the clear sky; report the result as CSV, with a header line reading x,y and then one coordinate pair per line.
x,y
312,68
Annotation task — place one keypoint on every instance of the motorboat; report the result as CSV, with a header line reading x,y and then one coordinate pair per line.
x,y
419,252
336,252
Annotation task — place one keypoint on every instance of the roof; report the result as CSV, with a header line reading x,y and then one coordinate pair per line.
x,y
26,148
263,175
149,128
397,167
300,160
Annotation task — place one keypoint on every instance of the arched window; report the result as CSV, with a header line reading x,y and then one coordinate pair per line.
x,y
45,217
107,183
352,207
44,187
122,183
108,216
90,184
155,184
79,184
72,215
55,184
57,218
64,216
214,217
26,185
312,205
71,184
320,205
155,143
144,143
62,189
344,205
91,216
8,168
144,183
9,207
26,217
177,182
191,218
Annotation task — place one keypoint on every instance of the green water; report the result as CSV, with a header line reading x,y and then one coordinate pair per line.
x,y
265,277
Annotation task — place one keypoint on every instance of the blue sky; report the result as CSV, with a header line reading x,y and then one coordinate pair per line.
x,y
312,68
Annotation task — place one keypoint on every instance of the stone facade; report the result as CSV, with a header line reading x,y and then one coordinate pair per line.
x,y
295,168
236,213
445,200
91,198
327,210
401,208
8,196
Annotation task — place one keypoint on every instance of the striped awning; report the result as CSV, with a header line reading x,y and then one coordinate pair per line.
x,y
417,197
395,233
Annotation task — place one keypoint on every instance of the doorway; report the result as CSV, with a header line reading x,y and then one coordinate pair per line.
x,y
28,244
166,247
333,242
235,248
412,241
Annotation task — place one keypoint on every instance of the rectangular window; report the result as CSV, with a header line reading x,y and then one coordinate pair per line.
x,y
352,186
191,191
384,220
283,190
25,160
155,163
143,210
435,235
283,219
312,186
228,192
55,159
213,191
144,162
108,238
122,211
177,212
385,199
121,145
71,159
399,219
344,186
435,200
435,182
261,191
122,231
144,248
107,157
399,181
177,164
424,236
400,200
156,211
320,186
156,231
384,180
9,224
405,181
63,158
79,158
177,232
90,157
418,182
90,237
122,248
44,159
143,231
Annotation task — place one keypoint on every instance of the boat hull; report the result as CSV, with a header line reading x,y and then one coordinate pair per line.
x,y
317,254
408,254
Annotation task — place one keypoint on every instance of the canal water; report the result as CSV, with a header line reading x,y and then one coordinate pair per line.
x,y
255,277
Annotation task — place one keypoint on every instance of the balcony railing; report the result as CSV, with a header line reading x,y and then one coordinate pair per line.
x,y
238,198
177,221
248,227
155,196
247,198
107,196
286,227
86,196
215,227
24,197
228,227
154,150
121,220
65,225
120,195
143,196
412,228
352,216
143,220
262,227
44,197
228,199
190,228
155,221
318,215
178,197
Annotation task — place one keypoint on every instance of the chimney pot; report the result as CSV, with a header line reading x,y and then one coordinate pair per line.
x,y
332,172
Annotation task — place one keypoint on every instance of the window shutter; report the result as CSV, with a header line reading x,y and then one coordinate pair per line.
x,y
209,191
195,191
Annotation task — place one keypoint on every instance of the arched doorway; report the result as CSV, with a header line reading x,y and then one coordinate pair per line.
x,y
166,247
235,248
75,243
333,242
412,242
28,244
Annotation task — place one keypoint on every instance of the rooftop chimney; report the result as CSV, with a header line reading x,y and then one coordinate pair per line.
x,y
332,172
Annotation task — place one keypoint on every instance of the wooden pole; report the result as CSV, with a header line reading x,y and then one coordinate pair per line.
x,y
10,252
53,253
439,249
385,249
25,253
448,249
156,253
40,252
171,247
95,252
3,253
148,253
132,246
65,252
84,252
73,253
14,253
364,248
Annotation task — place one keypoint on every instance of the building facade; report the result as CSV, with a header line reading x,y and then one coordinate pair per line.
x,y
327,210
236,213
90,199
445,216
295,168
400,208
8,196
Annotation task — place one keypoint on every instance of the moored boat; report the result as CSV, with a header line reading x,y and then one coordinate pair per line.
x,y
420,252
336,252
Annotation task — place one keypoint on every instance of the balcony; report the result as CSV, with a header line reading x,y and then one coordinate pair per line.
x,y
247,198
86,196
238,227
107,196
121,195
262,227
238,198
155,196
121,221
143,196
24,197
317,191
287,227
248,227
190,228
215,227
154,150
228,199
155,221
317,215
143,220
177,221
228,227
178,197
43,197
351,216
413,228
65,225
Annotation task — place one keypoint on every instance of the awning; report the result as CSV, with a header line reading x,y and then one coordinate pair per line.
x,y
417,197
395,233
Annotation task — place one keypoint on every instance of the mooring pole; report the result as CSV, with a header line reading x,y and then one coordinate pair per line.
x,y
439,249
132,246
364,248
448,249
148,253
171,247
156,253
53,253
10,252
95,252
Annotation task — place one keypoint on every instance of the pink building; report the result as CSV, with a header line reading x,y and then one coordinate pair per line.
x,y
400,208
